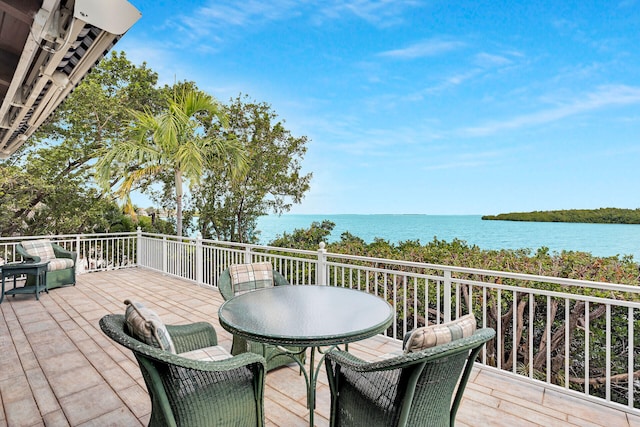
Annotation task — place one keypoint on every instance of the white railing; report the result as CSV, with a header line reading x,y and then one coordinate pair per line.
x,y
96,252
580,336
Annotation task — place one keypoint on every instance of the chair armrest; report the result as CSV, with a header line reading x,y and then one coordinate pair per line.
x,y
201,391
25,255
279,279
61,252
232,363
224,285
193,336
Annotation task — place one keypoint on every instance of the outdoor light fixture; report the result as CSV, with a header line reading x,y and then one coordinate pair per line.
x,y
50,47
113,16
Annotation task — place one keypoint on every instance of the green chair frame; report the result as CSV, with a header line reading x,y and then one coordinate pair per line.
x,y
413,389
186,392
275,357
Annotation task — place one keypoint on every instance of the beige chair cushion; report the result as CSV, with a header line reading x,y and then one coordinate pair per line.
x,y
249,277
59,264
41,248
145,325
213,353
433,335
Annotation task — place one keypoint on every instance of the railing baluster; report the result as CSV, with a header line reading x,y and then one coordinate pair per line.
x,y
499,329
630,353
608,353
415,305
404,304
514,328
530,337
548,333
566,342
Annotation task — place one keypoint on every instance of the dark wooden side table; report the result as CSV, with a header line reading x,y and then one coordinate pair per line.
x,y
15,269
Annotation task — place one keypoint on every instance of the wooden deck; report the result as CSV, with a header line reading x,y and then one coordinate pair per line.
x,y
58,369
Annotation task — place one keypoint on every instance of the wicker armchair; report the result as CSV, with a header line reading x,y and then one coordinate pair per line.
x,y
186,392
274,356
413,389
61,270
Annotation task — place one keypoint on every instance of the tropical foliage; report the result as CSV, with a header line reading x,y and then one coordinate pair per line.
x,y
48,186
173,141
535,331
602,215
156,140
229,206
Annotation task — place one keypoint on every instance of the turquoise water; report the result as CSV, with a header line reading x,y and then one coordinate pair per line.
x,y
598,239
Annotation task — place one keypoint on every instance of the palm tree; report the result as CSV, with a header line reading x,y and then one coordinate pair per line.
x,y
172,141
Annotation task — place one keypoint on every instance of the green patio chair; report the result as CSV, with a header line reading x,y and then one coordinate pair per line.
x,y
412,389
61,270
276,358
187,392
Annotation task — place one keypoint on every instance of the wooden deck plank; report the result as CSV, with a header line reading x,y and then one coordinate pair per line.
x,y
58,369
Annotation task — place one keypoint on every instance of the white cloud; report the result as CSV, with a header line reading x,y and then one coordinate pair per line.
x,y
422,49
382,13
465,164
220,14
227,14
606,96
489,60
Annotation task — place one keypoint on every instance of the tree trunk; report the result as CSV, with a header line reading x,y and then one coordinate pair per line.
x,y
178,203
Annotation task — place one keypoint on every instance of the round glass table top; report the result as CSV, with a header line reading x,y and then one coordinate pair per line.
x,y
306,315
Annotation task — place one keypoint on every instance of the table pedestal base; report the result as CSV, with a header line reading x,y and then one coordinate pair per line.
x,y
311,377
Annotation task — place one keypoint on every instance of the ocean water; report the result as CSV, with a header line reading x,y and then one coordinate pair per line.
x,y
598,239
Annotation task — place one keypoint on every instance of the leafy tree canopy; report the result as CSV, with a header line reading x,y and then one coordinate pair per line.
x,y
229,206
172,141
48,187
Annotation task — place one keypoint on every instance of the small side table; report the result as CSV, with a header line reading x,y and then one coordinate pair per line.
x,y
15,269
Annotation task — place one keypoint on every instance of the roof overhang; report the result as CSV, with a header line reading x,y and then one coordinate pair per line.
x,y
46,48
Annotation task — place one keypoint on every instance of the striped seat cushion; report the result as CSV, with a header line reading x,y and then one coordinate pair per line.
x,y
249,277
59,264
41,248
433,335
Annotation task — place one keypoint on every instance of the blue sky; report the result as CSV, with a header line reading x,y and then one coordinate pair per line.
x,y
432,107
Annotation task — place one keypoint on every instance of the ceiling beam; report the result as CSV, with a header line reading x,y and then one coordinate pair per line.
x,y
8,63
22,10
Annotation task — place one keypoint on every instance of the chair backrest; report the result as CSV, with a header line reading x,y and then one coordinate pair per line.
x,y
446,370
226,286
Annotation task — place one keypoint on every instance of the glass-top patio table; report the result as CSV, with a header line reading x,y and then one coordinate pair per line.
x,y
307,316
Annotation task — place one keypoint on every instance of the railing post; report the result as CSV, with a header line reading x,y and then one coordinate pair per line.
x,y
165,254
247,255
321,277
447,296
199,259
138,247
80,257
